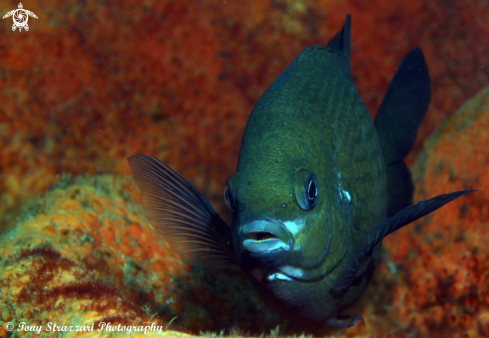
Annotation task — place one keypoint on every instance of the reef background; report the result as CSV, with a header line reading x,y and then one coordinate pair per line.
x,y
92,83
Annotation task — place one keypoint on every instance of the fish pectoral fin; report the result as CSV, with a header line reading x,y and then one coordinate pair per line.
x,y
364,241
343,321
181,214
404,217
408,215
354,266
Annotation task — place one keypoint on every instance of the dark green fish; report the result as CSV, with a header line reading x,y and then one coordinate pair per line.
x,y
318,185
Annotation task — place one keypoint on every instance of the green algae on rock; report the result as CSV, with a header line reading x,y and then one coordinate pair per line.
x,y
84,252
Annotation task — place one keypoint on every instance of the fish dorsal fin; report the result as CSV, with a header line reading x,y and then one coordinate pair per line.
x,y
400,114
362,248
403,107
181,214
341,41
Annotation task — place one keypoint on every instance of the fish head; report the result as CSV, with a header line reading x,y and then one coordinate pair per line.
x,y
287,207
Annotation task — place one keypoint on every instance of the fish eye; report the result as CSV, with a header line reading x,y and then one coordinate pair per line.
x,y
312,191
306,189
228,198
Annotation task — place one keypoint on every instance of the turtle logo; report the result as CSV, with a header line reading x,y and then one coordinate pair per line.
x,y
20,17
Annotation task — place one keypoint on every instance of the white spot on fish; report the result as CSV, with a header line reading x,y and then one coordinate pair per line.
x,y
343,193
292,271
278,276
295,226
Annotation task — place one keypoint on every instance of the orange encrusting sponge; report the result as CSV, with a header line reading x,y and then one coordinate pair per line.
x,y
434,278
84,254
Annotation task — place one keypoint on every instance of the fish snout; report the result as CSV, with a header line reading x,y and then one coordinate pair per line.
x,y
265,236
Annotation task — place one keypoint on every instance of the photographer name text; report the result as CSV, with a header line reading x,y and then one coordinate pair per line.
x,y
102,326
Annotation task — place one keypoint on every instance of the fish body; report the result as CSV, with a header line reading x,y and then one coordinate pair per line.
x,y
311,118
317,186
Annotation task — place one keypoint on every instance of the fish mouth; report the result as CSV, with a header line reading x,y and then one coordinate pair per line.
x,y
264,236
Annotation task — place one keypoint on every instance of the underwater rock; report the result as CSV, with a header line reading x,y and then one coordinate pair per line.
x,y
84,254
94,82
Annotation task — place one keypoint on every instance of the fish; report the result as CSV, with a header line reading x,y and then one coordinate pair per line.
x,y
317,187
